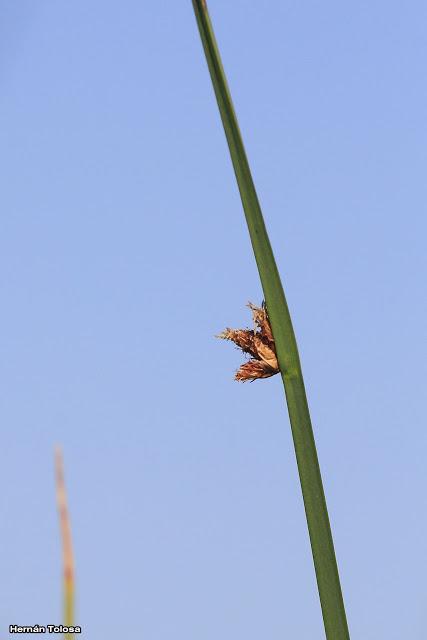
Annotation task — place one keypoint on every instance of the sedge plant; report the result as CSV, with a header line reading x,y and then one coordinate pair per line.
x,y
319,529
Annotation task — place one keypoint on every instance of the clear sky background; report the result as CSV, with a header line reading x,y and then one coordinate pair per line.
x,y
123,251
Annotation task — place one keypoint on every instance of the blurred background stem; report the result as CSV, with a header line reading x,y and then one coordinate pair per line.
x,y
66,541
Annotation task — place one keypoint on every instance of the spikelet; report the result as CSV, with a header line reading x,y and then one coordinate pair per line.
x,y
258,343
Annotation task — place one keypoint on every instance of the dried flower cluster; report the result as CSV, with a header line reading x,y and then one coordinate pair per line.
x,y
258,343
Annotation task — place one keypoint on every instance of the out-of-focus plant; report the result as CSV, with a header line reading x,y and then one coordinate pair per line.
x,y
67,546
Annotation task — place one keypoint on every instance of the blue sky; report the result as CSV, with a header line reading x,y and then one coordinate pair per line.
x,y
123,251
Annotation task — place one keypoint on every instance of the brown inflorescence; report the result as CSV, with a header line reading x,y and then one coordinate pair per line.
x,y
258,343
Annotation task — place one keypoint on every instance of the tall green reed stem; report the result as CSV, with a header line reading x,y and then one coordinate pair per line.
x,y
286,347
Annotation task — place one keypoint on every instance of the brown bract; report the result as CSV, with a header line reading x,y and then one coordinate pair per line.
x,y
258,343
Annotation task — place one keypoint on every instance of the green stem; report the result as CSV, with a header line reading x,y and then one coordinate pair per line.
x,y
287,351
